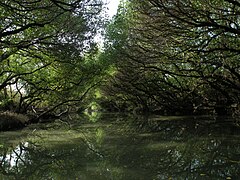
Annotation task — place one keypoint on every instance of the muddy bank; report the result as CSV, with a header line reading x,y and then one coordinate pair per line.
x,y
14,121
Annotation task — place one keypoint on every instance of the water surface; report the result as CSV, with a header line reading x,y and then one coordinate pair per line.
x,y
115,146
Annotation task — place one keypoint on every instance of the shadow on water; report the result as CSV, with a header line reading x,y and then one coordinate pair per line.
x,y
124,147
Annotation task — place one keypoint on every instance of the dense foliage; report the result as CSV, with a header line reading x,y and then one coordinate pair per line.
x,y
167,57
175,57
47,53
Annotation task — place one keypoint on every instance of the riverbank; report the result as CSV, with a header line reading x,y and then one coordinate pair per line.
x,y
12,121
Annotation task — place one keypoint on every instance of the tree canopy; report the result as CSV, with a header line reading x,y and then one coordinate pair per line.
x,y
46,52
167,57
176,56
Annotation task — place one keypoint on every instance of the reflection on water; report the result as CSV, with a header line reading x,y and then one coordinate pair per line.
x,y
123,147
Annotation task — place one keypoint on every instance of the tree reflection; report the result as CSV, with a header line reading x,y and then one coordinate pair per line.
x,y
132,148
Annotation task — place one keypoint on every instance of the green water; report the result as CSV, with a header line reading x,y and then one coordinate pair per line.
x,y
123,147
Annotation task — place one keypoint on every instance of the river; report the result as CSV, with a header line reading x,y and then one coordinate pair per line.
x,y
123,147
